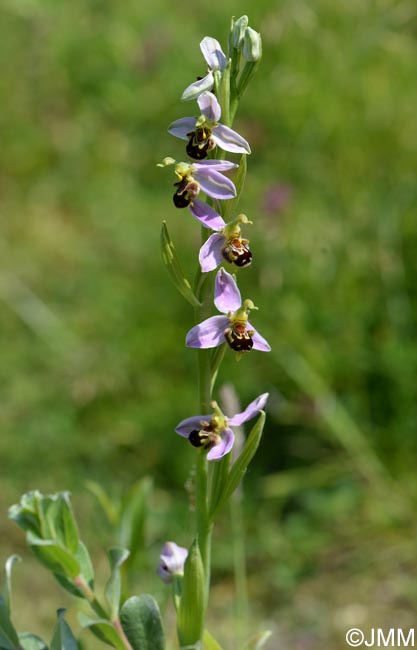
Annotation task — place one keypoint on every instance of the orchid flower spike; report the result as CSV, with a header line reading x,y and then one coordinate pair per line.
x,y
213,432
215,59
205,132
205,176
172,562
226,244
234,327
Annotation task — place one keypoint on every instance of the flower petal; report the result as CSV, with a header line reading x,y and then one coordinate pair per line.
x,y
226,293
211,252
172,561
207,166
229,140
250,411
208,334
181,127
223,448
259,343
206,215
209,106
195,89
185,427
216,185
213,53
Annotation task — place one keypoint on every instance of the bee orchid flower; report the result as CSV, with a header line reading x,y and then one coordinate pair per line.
x,y
203,176
205,132
226,244
213,432
215,59
234,327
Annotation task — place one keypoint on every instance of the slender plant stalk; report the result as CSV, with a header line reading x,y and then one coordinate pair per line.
x,y
204,526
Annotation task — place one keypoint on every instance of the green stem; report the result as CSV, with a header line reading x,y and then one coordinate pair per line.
x,y
203,524
100,610
239,569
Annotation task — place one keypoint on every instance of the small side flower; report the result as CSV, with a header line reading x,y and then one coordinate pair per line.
x,y
213,433
172,561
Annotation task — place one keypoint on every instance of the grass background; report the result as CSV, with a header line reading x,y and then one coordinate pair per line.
x,y
94,375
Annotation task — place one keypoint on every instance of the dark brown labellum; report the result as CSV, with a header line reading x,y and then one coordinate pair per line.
x,y
239,338
199,143
181,198
197,438
205,438
237,252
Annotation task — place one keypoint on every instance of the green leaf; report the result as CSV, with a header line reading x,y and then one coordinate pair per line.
x,y
209,643
114,586
8,636
240,466
258,641
220,473
109,509
60,519
54,557
84,561
31,642
174,268
26,513
230,207
190,620
63,638
142,624
133,517
103,630
7,586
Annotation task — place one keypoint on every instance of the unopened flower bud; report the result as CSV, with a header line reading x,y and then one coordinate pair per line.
x,y
238,31
252,46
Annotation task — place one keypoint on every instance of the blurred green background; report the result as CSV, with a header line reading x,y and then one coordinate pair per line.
x,y
94,373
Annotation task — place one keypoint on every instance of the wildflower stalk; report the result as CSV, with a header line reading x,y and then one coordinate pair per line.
x,y
204,526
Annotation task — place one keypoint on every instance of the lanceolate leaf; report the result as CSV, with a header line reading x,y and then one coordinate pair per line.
x,y
103,630
7,586
240,466
63,638
114,586
174,268
190,619
142,624
31,642
60,520
54,557
209,643
8,636
135,508
258,641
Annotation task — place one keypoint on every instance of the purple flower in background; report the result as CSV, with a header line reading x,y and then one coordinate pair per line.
x,y
172,561
226,244
203,176
215,59
205,132
234,327
276,198
213,432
